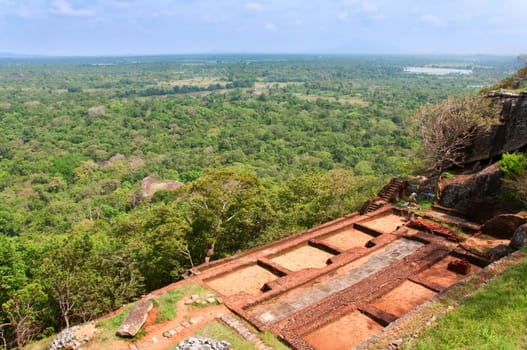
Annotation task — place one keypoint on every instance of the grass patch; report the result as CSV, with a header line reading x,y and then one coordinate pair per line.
x,y
42,344
270,339
495,317
218,331
425,205
167,301
111,324
267,337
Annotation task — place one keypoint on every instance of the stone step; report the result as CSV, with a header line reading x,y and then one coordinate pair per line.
x,y
243,331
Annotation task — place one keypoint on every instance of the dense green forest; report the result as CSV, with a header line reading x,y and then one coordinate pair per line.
x,y
264,145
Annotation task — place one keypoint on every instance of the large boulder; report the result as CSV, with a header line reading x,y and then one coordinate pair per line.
x,y
499,252
477,195
519,238
503,226
135,319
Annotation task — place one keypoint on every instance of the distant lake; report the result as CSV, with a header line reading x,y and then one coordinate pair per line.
x,y
437,71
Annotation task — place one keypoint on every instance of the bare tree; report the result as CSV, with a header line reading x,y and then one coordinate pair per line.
x,y
448,128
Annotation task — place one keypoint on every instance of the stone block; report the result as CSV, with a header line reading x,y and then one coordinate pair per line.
x,y
135,319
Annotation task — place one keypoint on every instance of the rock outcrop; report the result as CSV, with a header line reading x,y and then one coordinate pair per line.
x,y
503,226
477,195
509,136
151,185
499,252
135,319
519,238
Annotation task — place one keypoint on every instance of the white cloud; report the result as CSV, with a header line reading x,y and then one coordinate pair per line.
x,y
63,7
253,6
434,20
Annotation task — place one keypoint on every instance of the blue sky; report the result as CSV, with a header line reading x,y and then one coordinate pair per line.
x,y
109,27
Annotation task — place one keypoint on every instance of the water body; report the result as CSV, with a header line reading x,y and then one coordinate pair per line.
x,y
437,71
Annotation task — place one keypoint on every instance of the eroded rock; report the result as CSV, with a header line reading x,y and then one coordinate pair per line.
x,y
135,319
507,136
150,185
499,252
503,226
474,195
519,238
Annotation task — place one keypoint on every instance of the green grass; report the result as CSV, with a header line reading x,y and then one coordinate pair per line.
x,y
111,324
425,204
167,301
216,330
270,339
495,317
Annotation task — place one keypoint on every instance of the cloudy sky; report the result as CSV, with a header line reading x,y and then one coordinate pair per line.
x,y
108,27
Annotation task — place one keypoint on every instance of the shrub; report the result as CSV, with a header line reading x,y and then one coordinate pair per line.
x,y
513,165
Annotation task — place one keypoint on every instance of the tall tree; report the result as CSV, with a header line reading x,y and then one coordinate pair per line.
x,y
226,209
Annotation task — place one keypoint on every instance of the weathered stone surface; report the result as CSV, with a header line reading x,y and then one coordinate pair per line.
x,y
194,343
475,195
150,185
432,227
509,136
73,338
65,340
459,266
135,319
503,226
499,252
519,238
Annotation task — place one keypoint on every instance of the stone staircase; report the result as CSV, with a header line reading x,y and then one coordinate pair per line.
x,y
392,192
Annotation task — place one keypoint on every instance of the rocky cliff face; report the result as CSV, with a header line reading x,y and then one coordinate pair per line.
x,y
509,136
478,196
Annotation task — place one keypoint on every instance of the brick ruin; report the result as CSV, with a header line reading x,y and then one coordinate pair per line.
x,y
336,285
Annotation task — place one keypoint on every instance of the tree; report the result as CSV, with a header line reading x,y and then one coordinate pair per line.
x,y
448,128
86,275
23,312
61,271
226,208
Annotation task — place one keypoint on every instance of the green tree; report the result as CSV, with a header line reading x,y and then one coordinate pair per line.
x,y
226,210
23,311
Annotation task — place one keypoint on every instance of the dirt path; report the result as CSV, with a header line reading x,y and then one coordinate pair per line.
x,y
154,339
